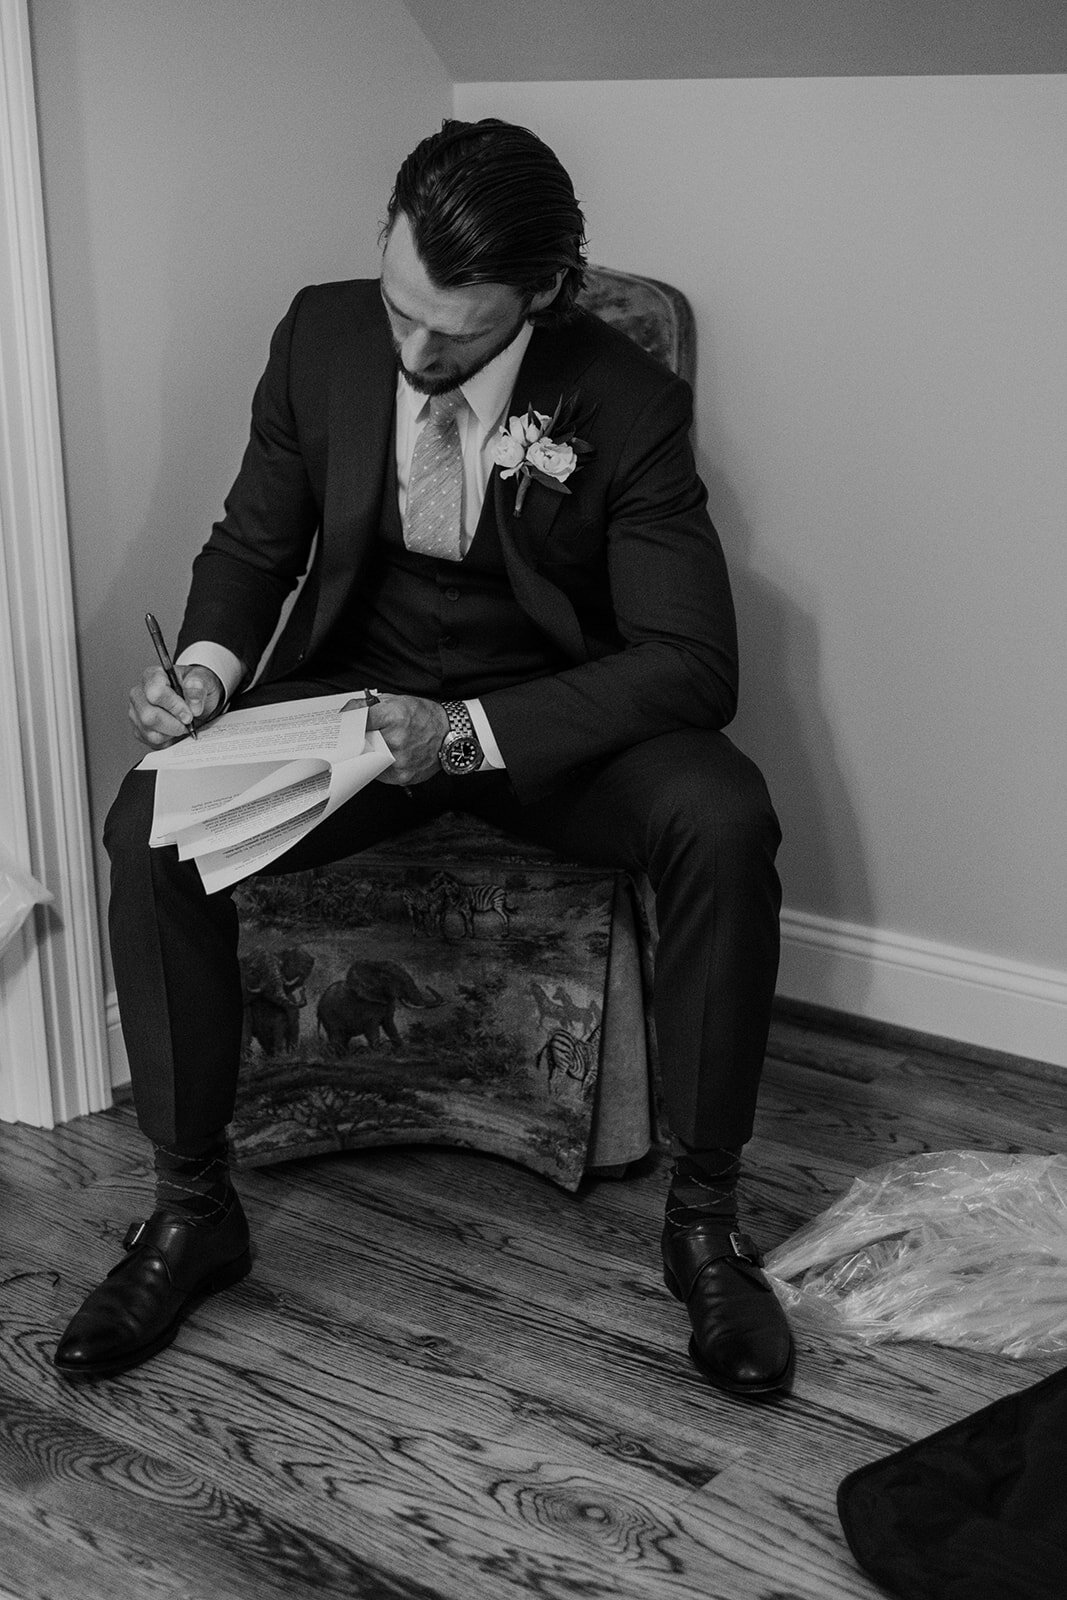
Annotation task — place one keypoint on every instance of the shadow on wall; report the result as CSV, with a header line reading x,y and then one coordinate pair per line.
x,y
781,724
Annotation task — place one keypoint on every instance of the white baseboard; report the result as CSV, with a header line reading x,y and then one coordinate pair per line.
x,y
932,988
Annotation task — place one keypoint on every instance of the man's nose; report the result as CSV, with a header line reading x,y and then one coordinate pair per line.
x,y
419,350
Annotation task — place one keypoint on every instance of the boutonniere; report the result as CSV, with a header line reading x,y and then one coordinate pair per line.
x,y
526,447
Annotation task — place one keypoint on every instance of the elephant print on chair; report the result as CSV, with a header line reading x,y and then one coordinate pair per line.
x,y
365,1001
272,987
422,1018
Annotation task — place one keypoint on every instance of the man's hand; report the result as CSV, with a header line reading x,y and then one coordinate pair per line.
x,y
413,730
159,716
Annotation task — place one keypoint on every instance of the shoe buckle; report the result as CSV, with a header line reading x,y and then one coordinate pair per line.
x,y
133,1235
745,1248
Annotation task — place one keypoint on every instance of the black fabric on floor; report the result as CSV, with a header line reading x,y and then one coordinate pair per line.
x,y
975,1512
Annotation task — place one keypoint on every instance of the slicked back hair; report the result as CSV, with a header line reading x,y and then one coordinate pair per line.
x,y
488,202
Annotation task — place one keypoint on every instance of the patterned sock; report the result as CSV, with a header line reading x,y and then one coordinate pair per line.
x,y
196,1186
703,1187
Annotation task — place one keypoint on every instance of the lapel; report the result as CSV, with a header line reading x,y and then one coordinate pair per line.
x,y
361,407
551,368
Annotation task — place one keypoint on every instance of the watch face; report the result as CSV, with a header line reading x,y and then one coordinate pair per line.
x,y
462,754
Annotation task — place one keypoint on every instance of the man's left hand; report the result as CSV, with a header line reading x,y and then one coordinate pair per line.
x,y
413,729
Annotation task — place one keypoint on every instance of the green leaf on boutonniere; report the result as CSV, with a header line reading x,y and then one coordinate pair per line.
x,y
549,483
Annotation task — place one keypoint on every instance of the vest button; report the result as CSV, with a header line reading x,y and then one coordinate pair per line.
x,y
447,640
452,593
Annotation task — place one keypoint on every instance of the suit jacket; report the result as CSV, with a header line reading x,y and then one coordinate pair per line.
x,y
625,573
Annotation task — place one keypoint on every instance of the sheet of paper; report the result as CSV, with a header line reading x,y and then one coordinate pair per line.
x,y
257,780
188,795
332,726
226,867
288,792
229,865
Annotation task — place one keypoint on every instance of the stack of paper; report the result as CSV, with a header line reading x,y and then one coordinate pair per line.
x,y
256,781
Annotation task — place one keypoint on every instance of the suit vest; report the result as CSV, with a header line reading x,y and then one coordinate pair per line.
x,y
443,629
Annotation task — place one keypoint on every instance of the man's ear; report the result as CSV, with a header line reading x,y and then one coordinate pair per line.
x,y
544,297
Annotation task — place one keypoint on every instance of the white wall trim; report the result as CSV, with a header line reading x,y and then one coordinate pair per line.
x,y
934,988
55,1055
939,989
25,1088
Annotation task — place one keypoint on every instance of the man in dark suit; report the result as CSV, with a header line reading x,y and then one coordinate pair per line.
x,y
559,663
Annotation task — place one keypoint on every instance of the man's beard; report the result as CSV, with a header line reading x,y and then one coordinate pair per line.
x,y
458,375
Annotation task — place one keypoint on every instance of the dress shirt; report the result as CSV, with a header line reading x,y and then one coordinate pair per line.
x,y
487,395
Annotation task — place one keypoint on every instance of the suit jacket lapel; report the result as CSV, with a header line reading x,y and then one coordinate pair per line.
x,y
548,606
550,371
362,406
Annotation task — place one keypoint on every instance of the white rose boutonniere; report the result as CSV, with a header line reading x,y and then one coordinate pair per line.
x,y
525,447
557,460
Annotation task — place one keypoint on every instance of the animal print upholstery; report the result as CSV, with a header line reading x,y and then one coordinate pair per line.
x,y
657,316
495,1003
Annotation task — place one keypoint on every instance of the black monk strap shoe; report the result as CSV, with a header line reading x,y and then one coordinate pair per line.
x,y
171,1264
741,1340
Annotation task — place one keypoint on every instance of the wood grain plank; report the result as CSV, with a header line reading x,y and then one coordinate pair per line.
x,y
442,1494
445,1374
778,1540
90,1506
842,1057
913,1106
418,1341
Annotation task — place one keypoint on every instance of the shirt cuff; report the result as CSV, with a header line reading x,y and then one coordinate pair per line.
x,y
228,668
490,749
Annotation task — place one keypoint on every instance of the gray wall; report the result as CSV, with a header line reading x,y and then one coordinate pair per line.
x,y
876,266
201,162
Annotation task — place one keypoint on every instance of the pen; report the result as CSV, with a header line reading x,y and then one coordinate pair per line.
x,y
165,661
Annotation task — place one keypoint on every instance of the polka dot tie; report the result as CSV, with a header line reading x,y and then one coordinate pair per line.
x,y
432,524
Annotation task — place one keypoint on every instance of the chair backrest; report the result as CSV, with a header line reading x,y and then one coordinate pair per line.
x,y
657,316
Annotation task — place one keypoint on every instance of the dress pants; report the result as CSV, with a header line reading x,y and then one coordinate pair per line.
x,y
685,808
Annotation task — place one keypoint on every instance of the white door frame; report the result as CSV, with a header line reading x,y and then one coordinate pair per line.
x,y
53,1057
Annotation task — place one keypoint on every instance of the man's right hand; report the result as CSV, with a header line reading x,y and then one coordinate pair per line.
x,y
159,716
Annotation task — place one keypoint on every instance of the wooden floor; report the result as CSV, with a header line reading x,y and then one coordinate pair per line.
x,y
447,1378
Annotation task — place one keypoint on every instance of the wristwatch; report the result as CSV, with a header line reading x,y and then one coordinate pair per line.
x,y
460,751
